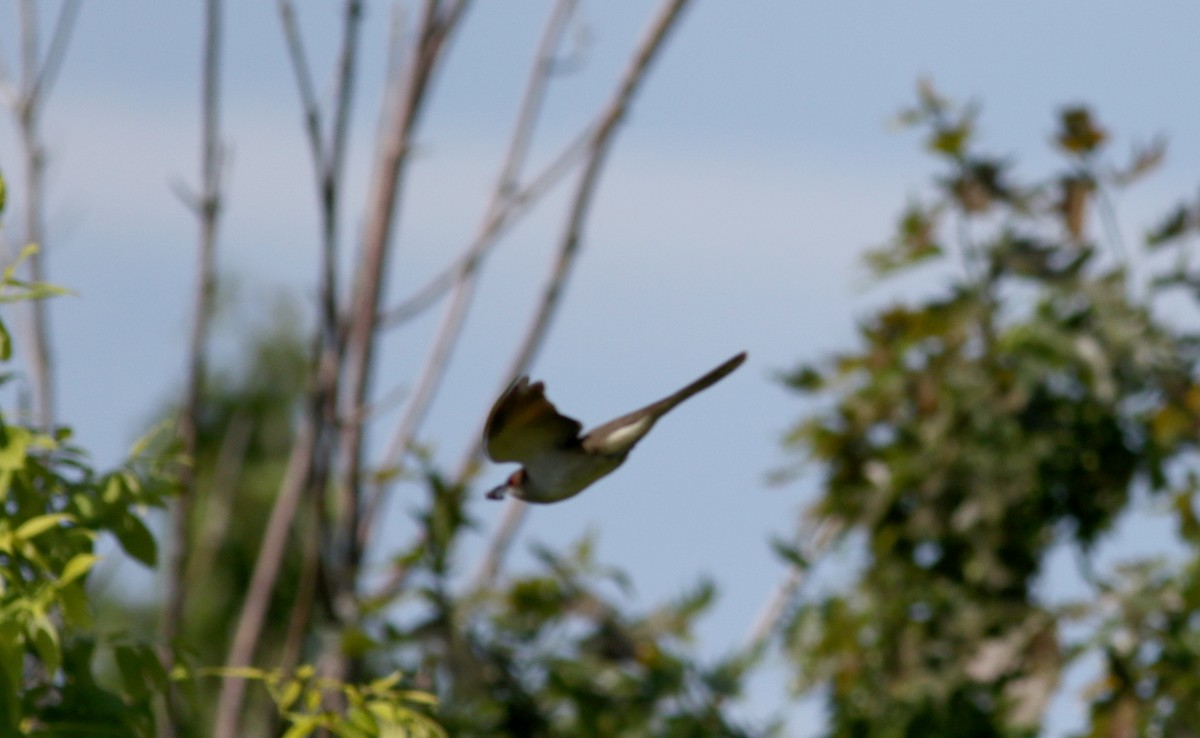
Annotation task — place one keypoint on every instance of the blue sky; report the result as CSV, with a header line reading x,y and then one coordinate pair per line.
x,y
757,165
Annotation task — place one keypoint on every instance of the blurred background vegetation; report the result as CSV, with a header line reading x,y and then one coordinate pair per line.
x,y
1044,390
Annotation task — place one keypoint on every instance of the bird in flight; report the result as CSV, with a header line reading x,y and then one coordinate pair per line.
x,y
556,461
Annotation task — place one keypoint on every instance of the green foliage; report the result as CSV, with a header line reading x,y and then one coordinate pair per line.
x,y
377,709
557,651
970,432
55,508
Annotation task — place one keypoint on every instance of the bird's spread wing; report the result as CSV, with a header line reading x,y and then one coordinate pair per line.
x,y
524,424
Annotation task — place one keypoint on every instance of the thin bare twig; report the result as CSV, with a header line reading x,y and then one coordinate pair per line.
x,y
27,100
45,77
262,580
328,163
652,43
304,83
301,615
594,141
221,500
496,224
814,545
488,233
344,92
175,585
302,607
310,463
435,27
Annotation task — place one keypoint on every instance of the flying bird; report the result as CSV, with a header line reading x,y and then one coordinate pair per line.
x,y
556,461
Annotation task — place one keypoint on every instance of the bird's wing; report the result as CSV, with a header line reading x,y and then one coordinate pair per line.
x,y
523,424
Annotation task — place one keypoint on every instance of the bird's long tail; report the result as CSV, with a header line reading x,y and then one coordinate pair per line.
x,y
620,435
657,409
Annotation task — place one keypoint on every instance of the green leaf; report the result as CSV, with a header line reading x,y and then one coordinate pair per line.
x,y
1178,222
137,540
790,553
413,695
385,684
46,644
291,692
5,343
1079,132
356,642
12,651
350,729
79,565
15,451
10,271
362,720
133,677
37,525
152,668
302,726
114,489
805,378
75,607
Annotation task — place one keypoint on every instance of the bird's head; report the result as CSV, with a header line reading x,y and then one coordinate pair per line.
x,y
512,486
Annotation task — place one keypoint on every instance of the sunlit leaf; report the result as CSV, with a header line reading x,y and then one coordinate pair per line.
x,y
79,565
15,448
38,525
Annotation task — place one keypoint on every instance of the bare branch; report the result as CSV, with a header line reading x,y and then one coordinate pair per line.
x,y
503,536
262,581
331,172
594,140
306,588
208,212
46,75
818,541
435,28
344,90
424,298
219,504
464,277
531,101
187,197
29,45
497,224
304,83
499,544
311,460
27,100
498,220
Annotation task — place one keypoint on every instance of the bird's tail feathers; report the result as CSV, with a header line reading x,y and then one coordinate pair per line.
x,y
667,403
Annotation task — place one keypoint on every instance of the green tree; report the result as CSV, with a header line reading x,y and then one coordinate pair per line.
x,y
54,508
1019,408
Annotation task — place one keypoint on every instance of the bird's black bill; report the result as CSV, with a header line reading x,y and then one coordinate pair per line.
x,y
498,493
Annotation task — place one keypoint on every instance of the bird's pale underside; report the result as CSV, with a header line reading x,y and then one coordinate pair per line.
x,y
556,461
